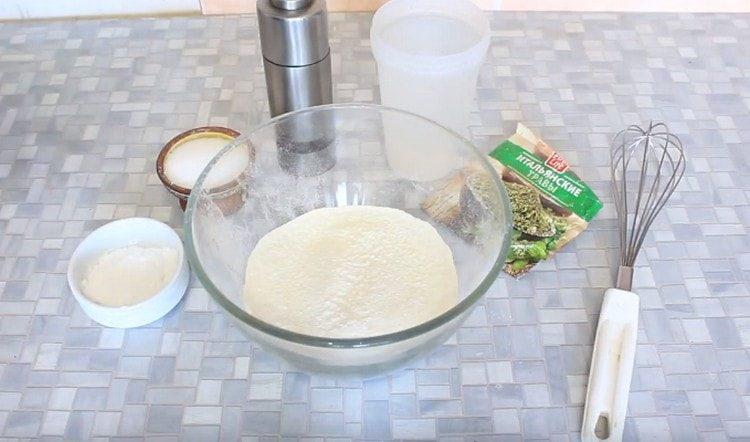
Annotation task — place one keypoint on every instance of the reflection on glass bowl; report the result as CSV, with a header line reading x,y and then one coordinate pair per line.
x,y
348,159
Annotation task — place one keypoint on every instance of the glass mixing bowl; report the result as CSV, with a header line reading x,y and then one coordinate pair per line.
x,y
343,155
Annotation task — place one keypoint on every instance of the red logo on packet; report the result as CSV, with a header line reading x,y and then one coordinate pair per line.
x,y
557,162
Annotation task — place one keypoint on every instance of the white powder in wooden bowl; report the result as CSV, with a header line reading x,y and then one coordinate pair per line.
x,y
129,275
185,162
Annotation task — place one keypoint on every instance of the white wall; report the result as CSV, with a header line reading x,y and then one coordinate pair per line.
x,y
19,9
248,6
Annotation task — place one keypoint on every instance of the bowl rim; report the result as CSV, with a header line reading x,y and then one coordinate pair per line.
x,y
177,140
328,342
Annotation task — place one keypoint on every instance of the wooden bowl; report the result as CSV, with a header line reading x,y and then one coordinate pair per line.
x,y
183,193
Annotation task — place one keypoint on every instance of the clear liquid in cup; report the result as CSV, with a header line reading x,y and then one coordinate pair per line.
x,y
431,35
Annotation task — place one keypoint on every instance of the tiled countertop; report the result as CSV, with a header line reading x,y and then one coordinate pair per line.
x,y
85,106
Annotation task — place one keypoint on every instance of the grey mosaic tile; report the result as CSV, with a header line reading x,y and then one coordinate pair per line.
x,y
265,386
517,370
54,423
476,400
375,419
294,418
683,428
23,423
164,419
106,423
326,399
200,433
261,422
327,424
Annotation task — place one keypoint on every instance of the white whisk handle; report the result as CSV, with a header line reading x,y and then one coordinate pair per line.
x,y
611,367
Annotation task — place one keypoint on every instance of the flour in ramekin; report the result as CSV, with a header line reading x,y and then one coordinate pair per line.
x,y
129,275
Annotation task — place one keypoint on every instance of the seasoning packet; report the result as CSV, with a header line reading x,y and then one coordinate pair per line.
x,y
551,205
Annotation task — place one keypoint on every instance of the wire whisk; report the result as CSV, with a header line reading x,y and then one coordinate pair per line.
x,y
646,165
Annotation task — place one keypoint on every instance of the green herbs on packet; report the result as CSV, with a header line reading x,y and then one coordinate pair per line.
x,y
550,204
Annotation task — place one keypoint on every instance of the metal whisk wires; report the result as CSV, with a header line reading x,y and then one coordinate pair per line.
x,y
646,165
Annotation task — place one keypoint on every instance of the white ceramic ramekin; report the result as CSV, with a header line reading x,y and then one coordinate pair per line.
x,y
123,233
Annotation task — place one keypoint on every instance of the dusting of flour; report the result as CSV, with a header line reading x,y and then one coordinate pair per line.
x,y
350,272
129,275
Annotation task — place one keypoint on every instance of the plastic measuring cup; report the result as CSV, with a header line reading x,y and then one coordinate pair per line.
x,y
429,53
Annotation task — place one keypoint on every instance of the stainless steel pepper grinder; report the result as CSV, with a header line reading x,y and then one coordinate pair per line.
x,y
297,61
296,53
